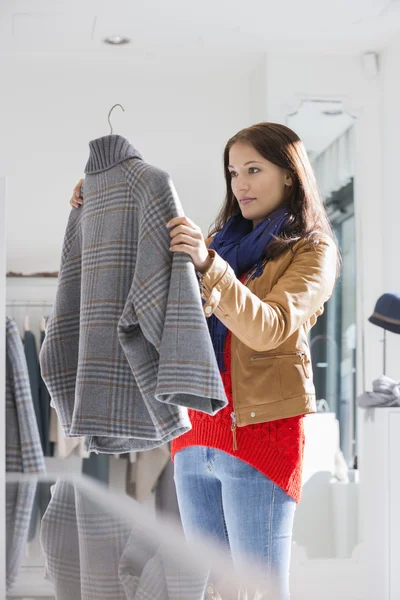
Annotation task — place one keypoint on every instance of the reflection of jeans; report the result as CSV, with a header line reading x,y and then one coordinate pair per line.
x,y
223,497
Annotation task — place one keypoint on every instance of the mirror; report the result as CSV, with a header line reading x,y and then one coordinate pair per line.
x,y
326,523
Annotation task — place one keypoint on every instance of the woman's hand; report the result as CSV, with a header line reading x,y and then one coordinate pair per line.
x,y
187,237
76,199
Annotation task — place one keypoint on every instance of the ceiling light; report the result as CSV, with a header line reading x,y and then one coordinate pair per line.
x,y
117,40
332,113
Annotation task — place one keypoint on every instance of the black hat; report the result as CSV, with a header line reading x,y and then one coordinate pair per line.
x,y
387,313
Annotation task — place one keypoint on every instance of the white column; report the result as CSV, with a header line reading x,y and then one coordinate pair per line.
x,y
380,492
390,205
2,382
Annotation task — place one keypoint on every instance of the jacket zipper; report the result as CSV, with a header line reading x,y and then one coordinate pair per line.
x,y
301,355
233,429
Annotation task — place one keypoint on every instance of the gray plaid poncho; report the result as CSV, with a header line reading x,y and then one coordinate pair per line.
x,y
127,349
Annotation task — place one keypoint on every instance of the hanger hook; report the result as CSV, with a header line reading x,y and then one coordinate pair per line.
x,y
109,116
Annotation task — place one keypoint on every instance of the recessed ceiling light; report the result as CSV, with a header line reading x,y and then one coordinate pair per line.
x,y
117,40
332,113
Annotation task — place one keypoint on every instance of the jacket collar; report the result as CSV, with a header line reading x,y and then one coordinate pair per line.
x,y
108,151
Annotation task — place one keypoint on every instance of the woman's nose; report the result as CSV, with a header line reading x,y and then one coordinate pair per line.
x,y
242,184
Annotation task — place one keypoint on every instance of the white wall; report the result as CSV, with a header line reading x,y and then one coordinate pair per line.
x,y
390,69
178,115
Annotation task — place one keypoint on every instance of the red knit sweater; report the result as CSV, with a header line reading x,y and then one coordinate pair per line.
x,y
274,448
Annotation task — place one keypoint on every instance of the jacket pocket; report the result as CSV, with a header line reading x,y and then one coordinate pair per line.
x,y
263,384
293,370
289,355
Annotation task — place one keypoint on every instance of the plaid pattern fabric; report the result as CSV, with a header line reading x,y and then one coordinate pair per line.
x,y
92,554
19,504
23,446
82,546
141,571
127,349
148,573
60,543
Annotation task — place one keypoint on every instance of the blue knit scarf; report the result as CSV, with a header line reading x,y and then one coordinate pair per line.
x,y
244,249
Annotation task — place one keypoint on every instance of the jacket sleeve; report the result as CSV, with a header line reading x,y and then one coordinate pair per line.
x,y
265,323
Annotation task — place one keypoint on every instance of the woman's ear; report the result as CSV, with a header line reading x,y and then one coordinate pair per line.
x,y
288,180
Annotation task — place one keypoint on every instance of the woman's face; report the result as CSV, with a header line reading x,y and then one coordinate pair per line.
x,y
258,185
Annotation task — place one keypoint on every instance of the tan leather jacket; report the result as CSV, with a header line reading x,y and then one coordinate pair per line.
x,y
270,318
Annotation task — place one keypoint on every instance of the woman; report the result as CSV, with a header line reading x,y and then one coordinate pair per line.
x,y
266,270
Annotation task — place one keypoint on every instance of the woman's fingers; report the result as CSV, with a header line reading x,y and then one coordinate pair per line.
x,y
186,237
187,240
182,221
76,199
186,248
78,187
74,203
185,230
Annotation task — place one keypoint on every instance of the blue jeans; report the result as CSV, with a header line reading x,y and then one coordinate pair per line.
x,y
224,498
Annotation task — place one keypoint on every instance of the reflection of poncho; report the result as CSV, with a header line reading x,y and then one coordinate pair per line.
x,y
386,392
93,553
19,502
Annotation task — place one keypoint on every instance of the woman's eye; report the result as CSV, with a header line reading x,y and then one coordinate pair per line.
x,y
233,174
254,170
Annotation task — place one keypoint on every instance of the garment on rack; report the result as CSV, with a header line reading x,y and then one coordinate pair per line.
x,y
97,466
386,392
32,362
152,472
127,348
166,498
64,447
144,473
23,446
44,403
38,388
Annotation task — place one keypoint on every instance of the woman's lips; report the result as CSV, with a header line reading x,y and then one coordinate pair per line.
x,y
246,200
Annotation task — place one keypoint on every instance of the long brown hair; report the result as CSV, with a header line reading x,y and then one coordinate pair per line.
x,y
283,147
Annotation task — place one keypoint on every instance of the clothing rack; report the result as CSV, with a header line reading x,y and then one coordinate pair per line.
x,y
29,303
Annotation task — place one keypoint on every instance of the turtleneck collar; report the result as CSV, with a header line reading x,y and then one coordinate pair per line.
x,y
108,151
